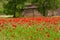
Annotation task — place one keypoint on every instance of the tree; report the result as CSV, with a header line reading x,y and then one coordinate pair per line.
x,y
47,5
43,6
11,6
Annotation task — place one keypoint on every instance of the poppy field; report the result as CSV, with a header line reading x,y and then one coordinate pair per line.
x,y
41,28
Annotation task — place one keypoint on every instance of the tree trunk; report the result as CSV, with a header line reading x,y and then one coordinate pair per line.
x,y
14,8
14,15
45,11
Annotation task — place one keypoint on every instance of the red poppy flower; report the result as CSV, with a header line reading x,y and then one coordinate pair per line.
x,y
55,22
0,30
2,26
49,27
56,38
13,25
11,30
48,35
37,29
41,29
31,37
12,36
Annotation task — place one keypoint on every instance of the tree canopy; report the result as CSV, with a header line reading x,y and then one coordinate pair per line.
x,y
14,6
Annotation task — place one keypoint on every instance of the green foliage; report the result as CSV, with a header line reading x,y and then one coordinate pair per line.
x,y
0,0
47,5
11,6
14,6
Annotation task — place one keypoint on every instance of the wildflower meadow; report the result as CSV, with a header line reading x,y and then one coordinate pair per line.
x,y
41,28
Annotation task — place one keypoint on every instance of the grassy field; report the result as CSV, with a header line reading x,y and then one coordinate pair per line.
x,y
30,28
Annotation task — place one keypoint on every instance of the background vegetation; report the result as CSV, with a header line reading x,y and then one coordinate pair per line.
x,y
14,7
